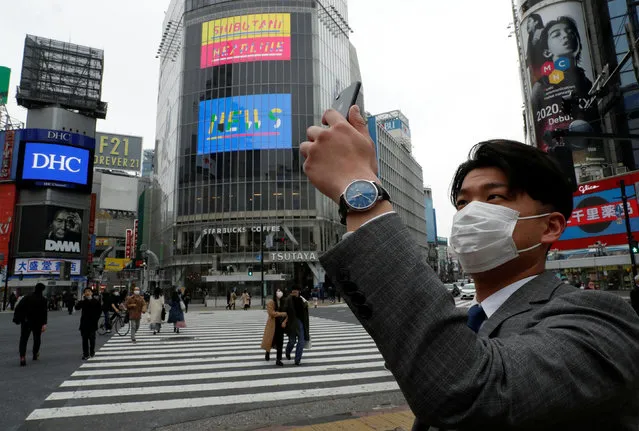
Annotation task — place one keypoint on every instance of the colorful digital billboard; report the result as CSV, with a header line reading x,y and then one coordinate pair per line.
x,y
245,38
598,214
51,229
254,122
557,55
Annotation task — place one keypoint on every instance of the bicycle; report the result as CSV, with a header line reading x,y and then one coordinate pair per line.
x,y
117,324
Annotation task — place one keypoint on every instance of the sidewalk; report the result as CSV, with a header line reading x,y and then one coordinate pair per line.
x,y
396,419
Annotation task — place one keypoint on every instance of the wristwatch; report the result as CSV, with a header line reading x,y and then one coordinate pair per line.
x,y
360,196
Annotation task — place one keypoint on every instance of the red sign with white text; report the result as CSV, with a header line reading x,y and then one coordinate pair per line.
x,y
7,210
129,240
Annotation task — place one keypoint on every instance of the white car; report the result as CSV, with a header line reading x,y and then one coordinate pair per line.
x,y
467,291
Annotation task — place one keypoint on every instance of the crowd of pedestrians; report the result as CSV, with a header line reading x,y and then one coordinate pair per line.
x,y
31,313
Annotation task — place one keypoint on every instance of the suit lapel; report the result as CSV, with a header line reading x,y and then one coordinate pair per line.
x,y
537,290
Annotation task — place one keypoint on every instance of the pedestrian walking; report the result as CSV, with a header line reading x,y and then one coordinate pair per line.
x,y
296,324
233,300
157,311
273,331
12,301
228,299
246,300
68,299
176,313
186,298
31,314
106,307
135,306
91,311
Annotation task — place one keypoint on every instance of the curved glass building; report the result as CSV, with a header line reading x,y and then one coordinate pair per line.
x,y
240,81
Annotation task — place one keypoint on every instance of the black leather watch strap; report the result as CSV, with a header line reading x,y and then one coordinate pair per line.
x,y
382,195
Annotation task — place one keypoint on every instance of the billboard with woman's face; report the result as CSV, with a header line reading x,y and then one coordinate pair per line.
x,y
557,56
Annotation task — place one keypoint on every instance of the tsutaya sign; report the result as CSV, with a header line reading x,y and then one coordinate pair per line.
x,y
293,256
239,229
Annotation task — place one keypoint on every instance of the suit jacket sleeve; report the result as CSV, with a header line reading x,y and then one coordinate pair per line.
x,y
580,352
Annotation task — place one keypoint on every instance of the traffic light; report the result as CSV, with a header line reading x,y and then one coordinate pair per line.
x,y
250,271
634,245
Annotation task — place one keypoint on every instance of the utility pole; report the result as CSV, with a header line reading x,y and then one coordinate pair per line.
x,y
262,267
624,199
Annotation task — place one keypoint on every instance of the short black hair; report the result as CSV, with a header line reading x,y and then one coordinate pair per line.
x,y
40,287
528,170
543,40
87,288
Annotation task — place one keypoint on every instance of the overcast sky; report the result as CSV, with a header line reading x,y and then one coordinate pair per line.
x,y
448,65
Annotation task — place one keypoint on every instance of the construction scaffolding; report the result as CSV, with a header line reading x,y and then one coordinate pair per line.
x,y
62,74
8,123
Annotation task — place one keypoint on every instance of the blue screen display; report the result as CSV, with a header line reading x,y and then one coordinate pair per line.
x,y
254,122
57,163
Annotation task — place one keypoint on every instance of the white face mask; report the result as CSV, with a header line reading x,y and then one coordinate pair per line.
x,y
279,295
482,236
136,292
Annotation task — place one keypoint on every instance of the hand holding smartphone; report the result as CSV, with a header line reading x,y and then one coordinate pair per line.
x,y
348,97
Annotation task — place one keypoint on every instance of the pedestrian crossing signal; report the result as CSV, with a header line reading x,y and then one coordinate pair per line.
x,y
250,271
635,247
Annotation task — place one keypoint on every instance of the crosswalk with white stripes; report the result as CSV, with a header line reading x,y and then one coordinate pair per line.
x,y
217,361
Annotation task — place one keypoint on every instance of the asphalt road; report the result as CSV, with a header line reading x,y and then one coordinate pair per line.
x,y
25,388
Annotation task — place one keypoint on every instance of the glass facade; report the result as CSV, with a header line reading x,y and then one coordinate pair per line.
x,y
240,82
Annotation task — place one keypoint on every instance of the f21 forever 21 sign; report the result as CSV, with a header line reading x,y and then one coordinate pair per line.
x,y
51,229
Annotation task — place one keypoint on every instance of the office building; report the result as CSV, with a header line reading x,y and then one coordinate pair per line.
x,y
399,172
240,82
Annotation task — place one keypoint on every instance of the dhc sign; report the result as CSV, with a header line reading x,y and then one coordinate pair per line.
x,y
58,163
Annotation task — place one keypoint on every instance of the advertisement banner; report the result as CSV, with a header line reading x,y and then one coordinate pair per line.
x,y
102,242
246,38
113,151
129,240
51,229
7,155
53,165
5,75
7,207
557,55
257,122
598,214
112,264
92,228
134,243
44,266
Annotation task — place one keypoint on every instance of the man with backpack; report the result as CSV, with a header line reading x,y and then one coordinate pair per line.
x,y
31,315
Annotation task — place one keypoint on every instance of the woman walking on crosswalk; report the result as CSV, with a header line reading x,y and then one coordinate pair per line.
x,y
273,332
176,314
156,310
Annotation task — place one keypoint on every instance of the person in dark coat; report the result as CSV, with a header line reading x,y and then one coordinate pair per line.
x,y
69,301
176,314
31,313
107,300
296,324
12,300
91,311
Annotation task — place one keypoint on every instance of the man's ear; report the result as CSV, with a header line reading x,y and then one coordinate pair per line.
x,y
555,227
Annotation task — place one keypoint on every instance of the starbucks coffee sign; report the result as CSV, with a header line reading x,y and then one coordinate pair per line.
x,y
293,256
240,229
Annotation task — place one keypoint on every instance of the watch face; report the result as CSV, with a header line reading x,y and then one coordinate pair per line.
x,y
360,195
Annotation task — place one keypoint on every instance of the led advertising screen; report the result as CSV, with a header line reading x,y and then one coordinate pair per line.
x,y
53,165
51,229
245,38
7,206
558,60
598,214
255,122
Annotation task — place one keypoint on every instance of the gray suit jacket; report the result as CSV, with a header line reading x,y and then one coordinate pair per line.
x,y
552,357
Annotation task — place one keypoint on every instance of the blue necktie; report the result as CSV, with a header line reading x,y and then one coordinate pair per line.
x,y
476,317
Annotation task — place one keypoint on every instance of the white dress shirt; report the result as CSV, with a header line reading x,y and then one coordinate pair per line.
x,y
494,301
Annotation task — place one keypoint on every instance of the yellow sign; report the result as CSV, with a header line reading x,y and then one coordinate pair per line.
x,y
102,242
246,27
117,151
113,264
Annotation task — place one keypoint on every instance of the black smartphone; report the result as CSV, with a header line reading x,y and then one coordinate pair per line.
x,y
347,98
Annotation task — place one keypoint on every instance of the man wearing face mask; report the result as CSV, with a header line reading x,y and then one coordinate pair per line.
x,y
135,306
91,311
534,353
